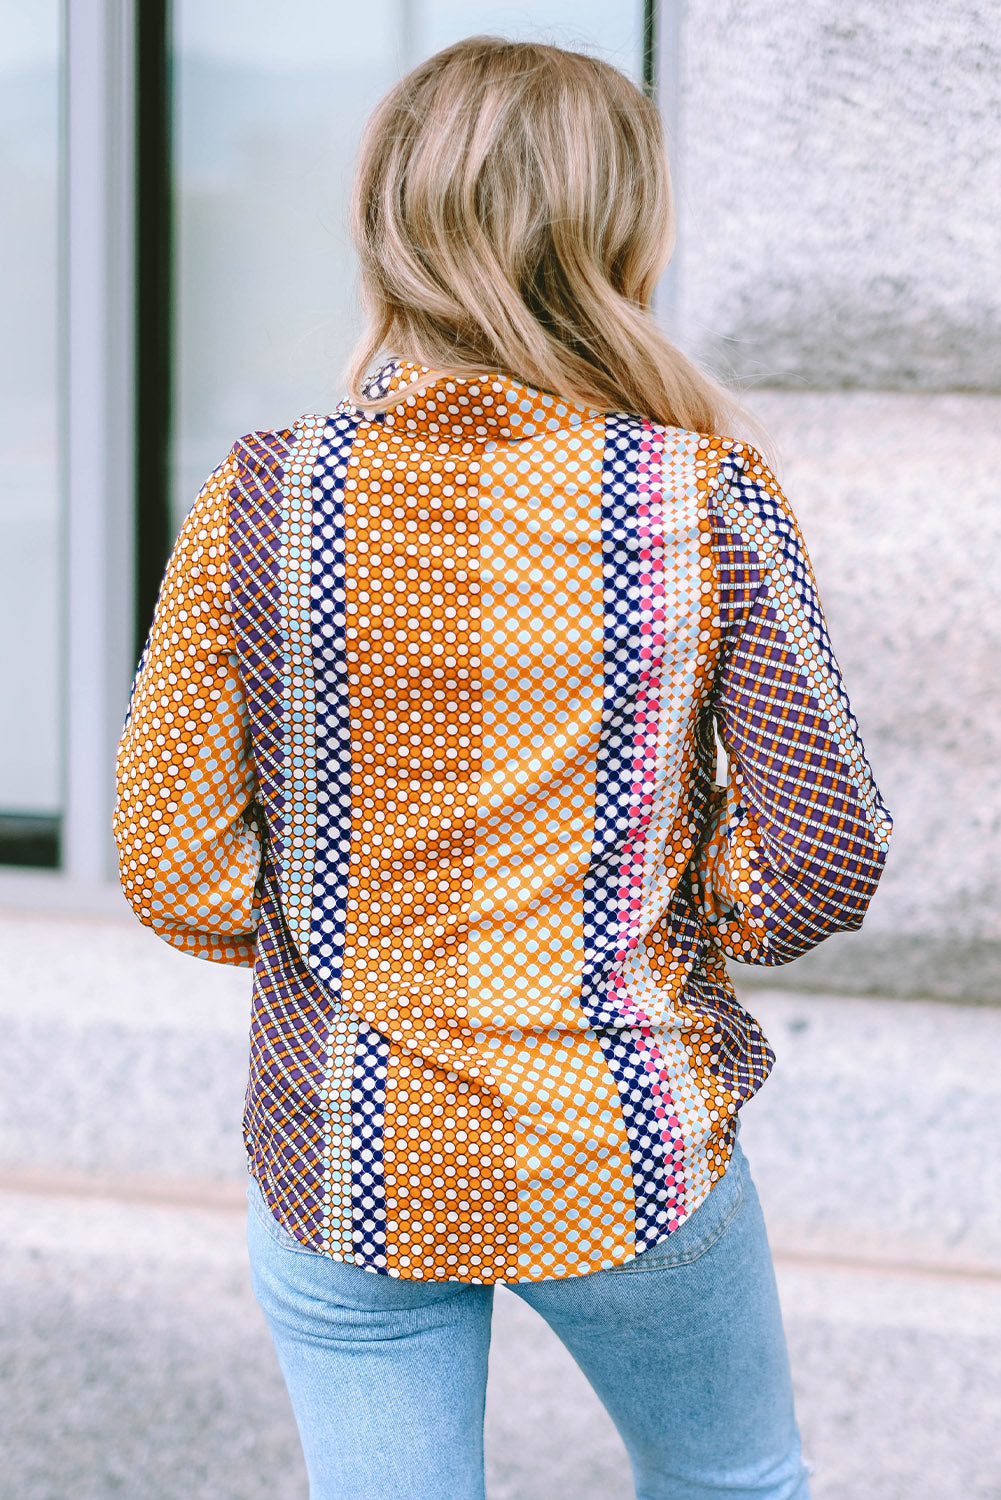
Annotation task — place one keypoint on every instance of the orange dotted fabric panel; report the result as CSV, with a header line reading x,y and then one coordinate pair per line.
x,y
189,847
411,582
542,695
449,1171
471,832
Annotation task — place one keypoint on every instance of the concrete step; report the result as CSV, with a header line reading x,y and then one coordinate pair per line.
x,y
878,1135
119,1053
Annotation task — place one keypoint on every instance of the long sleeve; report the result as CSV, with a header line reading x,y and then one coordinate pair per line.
x,y
188,842
796,841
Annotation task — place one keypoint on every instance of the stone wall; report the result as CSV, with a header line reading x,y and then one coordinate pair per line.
x,y
899,497
838,173
839,179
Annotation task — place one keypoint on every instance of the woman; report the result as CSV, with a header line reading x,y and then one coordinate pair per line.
x,y
425,733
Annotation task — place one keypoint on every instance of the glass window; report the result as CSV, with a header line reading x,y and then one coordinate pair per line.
x,y
614,32
267,116
30,566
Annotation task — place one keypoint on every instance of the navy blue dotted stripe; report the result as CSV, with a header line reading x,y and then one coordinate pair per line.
x,y
653,1159
331,691
613,796
368,1116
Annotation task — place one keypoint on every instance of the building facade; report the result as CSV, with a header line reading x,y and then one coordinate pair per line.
x,y
178,272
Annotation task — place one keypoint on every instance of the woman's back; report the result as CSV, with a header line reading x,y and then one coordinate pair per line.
x,y
499,883
425,731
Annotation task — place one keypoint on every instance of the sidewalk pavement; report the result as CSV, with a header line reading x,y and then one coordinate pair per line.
x,y
134,1363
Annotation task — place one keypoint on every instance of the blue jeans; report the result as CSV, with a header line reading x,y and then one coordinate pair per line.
x,y
684,1345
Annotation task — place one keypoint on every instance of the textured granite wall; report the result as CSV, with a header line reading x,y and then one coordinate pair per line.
x,y
899,497
839,177
838,171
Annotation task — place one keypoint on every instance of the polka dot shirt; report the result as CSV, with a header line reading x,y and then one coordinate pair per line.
x,y
426,732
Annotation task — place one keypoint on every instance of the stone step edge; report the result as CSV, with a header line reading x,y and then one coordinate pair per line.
x,y
791,1247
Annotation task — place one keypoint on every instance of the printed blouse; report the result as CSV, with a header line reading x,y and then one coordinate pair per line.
x,y
425,731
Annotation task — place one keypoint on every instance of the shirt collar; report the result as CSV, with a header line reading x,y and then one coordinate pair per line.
x,y
476,408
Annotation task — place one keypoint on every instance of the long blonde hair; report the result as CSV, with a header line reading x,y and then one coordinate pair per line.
x,y
512,211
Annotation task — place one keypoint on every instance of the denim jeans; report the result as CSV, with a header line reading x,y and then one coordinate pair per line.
x,y
684,1346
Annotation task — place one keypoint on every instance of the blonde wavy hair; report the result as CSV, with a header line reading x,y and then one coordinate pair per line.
x,y
512,210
